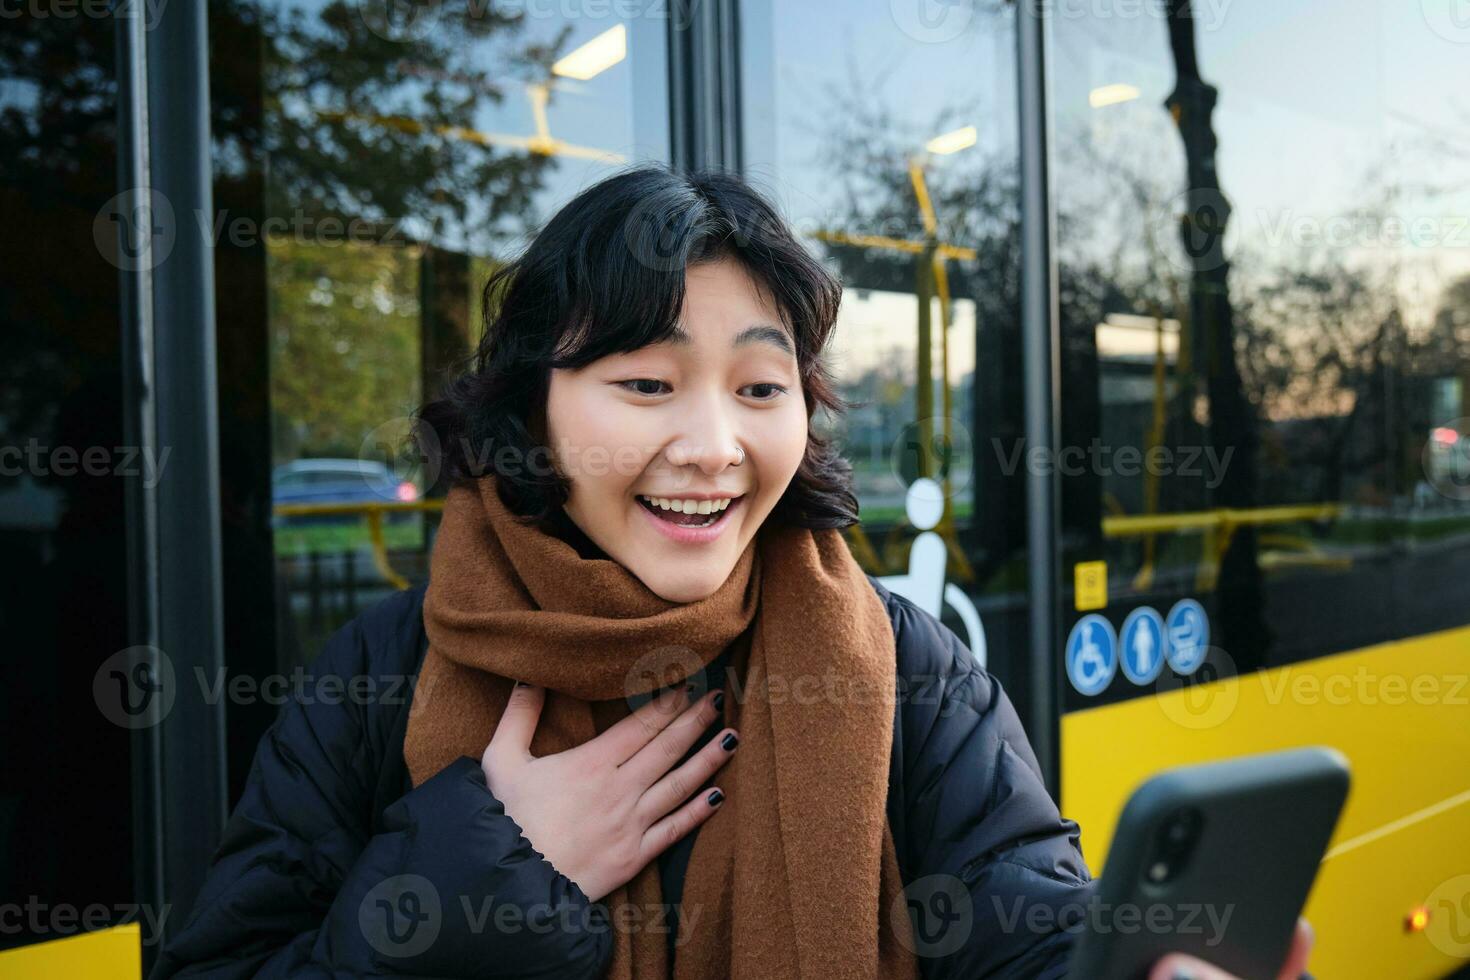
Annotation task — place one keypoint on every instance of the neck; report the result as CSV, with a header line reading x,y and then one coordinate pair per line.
x,y
565,528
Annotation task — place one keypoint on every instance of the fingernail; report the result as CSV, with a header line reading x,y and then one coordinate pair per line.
x,y
715,797
1180,973
718,700
729,742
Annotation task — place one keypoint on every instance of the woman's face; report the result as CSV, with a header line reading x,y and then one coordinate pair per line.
x,y
664,422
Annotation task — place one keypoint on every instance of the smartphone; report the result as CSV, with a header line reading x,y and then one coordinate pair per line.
x,y
1216,861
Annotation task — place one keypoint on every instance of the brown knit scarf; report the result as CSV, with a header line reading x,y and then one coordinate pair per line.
x,y
796,874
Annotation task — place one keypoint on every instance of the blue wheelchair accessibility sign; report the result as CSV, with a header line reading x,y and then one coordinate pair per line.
x,y
1141,645
1092,654
1188,630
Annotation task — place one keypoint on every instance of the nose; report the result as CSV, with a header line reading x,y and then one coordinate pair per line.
x,y
711,458
709,440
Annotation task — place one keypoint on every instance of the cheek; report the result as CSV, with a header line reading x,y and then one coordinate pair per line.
x,y
784,438
573,415
598,442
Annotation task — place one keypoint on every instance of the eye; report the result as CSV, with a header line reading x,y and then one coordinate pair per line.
x,y
641,381
778,390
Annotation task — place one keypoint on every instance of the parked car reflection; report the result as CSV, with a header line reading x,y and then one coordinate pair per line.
x,y
337,481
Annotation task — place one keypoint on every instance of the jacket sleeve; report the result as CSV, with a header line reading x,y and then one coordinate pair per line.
x,y
994,876
307,884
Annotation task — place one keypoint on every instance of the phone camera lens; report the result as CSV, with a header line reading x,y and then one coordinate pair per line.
x,y
1173,845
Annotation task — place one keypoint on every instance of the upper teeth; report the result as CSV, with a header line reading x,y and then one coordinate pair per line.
x,y
689,506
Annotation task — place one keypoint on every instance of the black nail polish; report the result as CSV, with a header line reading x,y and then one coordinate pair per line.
x,y
729,742
718,700
1180,973
715,797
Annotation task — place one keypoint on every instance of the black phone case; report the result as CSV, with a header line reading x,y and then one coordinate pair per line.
x,y
1264,823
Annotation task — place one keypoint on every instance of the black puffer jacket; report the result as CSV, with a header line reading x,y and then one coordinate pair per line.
x,y
333,866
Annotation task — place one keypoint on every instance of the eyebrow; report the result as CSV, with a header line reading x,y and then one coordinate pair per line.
x,y
762,333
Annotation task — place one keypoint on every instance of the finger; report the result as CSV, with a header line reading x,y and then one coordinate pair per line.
x,y
664,751
676,787
625,737
518,722
677,825
1177,966
1301,949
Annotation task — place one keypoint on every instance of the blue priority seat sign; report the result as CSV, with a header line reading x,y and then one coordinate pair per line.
x,y
1141,645
1092,654
1189,636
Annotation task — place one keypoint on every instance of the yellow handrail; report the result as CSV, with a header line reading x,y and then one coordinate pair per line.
x,y
373,511
1121,526
1218,526
363,507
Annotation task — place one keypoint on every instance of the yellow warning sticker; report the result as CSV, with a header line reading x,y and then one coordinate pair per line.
x,y
1090,584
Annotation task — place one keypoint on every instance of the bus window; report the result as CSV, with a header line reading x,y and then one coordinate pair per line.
x,y
374,163
889,140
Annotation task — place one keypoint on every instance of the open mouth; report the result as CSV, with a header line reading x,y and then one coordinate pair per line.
x,y
689,513
671,519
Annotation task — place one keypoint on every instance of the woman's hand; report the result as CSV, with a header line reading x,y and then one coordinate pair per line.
x,y
602,811
1177,966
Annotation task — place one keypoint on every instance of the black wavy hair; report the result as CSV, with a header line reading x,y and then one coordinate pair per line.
x,y
605,276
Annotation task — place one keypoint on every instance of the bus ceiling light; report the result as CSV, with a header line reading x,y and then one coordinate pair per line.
x,y
1417,919
1105,95
594,57
952,142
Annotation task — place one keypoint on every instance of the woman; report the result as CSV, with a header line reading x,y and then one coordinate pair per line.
x,y
663,725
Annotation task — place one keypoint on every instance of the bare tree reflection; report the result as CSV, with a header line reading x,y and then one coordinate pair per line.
x,y
1232,417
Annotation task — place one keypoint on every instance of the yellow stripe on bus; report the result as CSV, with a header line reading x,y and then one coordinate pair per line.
x,y
1399,711
107,954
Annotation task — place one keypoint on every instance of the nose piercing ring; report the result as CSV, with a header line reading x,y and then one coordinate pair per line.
x,y
741,451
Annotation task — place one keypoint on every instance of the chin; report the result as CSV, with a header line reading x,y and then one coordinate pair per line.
x,y
683,585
